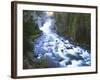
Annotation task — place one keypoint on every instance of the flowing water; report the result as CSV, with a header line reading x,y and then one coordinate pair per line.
x,y
57,50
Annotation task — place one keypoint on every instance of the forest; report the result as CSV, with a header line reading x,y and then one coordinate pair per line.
x,y
76,27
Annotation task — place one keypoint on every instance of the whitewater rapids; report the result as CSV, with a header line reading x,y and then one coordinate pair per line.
x,y
55,49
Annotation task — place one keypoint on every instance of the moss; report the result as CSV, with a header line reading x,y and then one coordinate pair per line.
x,y
42,63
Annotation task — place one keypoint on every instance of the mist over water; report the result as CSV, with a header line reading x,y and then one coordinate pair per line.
x,y
57,50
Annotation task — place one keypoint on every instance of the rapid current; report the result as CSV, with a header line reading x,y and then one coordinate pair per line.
x,y
58,51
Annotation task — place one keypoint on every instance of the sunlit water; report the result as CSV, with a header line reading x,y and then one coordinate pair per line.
x,y
55,49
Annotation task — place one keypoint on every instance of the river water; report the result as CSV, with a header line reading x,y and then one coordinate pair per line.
x,y
57,50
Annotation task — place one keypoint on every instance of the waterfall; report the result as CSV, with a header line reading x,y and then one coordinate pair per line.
x,y
55,49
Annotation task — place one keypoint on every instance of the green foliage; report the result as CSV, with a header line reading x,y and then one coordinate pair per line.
x,y
42,63
61,22
75,25
30,31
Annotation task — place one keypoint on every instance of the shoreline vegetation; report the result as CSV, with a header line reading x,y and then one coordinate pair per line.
x,y
73,26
